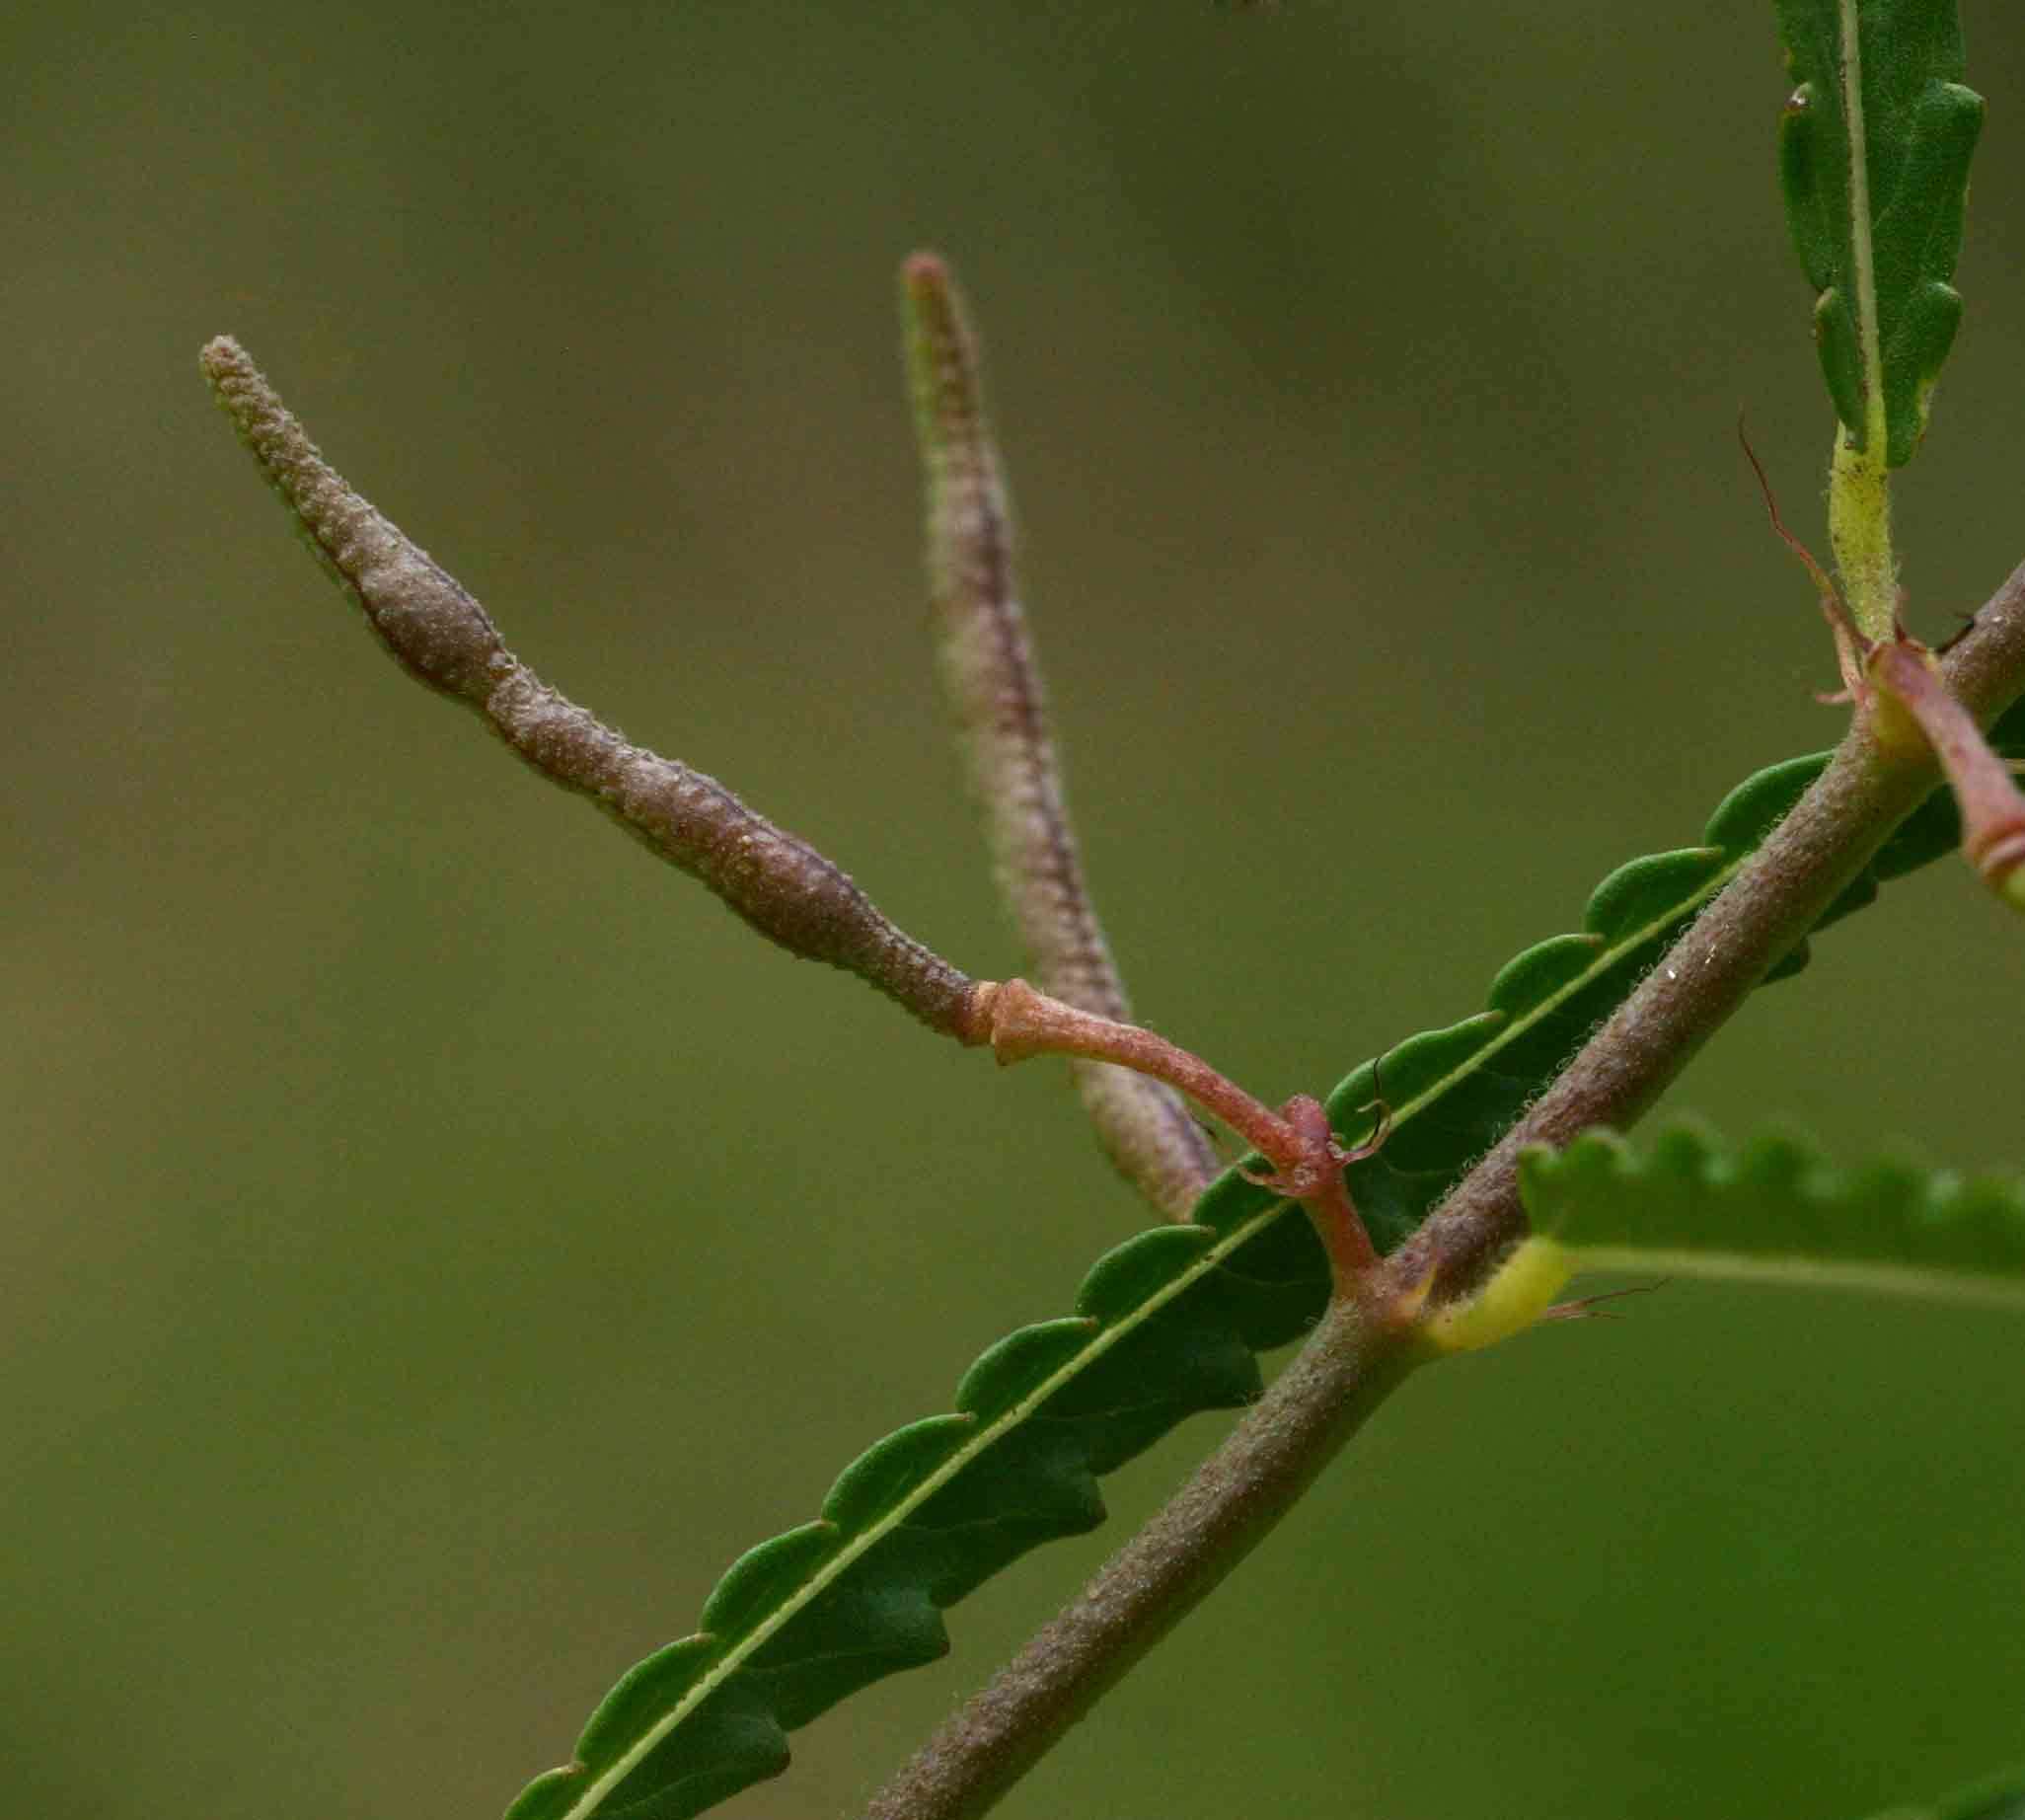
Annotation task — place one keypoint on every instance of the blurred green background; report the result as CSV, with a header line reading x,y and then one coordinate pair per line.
x,y
436,1241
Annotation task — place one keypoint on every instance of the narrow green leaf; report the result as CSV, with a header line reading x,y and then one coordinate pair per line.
x,y
1874,151
1776,1211
918,1521
1166,1326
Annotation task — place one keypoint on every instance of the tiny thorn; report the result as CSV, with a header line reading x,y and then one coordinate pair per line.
x,y
1379,1132
1955,637
1588,1308
1850,639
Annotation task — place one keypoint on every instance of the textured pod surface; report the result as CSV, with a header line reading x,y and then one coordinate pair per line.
x,y
779,883
993,682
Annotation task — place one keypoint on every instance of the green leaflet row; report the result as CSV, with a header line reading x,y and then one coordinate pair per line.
x,y
1776,1211
1168,1325
1891,264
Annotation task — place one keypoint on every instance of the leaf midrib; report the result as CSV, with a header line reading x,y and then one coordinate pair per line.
x,y
735,1657
1927,1284
740,1653
1863,252
1608,957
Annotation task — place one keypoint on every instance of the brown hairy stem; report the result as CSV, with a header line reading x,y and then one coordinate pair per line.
x,y
994,685
1799,868
1337,1380
779,883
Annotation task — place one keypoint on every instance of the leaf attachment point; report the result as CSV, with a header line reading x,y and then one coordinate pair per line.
x,y
1306,1158
1874,150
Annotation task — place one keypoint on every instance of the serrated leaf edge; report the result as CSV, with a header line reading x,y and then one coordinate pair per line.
x,y
739,1652
1607,955
1686,1156
1228,1240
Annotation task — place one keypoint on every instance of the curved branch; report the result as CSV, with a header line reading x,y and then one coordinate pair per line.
x,y
1335,1382
1346,1370
1800,868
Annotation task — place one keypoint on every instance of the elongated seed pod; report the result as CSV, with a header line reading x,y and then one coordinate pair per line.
x,y
995,686
776,882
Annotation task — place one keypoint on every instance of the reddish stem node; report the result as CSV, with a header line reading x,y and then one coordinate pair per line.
x,y
1307,1160
1991,805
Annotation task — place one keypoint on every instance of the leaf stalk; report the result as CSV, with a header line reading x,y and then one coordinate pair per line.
x,y
1860,533
1307,1160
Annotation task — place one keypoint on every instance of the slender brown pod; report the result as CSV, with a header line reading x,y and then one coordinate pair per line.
x,y
780,885
993,684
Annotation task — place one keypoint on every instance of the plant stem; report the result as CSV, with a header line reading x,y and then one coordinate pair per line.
x,y
1340,1376
1797,871
1348,1367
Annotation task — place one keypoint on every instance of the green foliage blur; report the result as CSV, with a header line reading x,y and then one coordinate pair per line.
x,y
434,1240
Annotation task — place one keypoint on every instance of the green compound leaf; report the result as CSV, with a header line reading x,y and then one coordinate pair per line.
x,y
1454,1093
1876,172
1166,1326
1776,1212
1996,1797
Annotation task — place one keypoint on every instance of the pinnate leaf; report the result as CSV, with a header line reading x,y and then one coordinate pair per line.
x,y
1876,173
1166,1326
1456,1092
1776,1211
